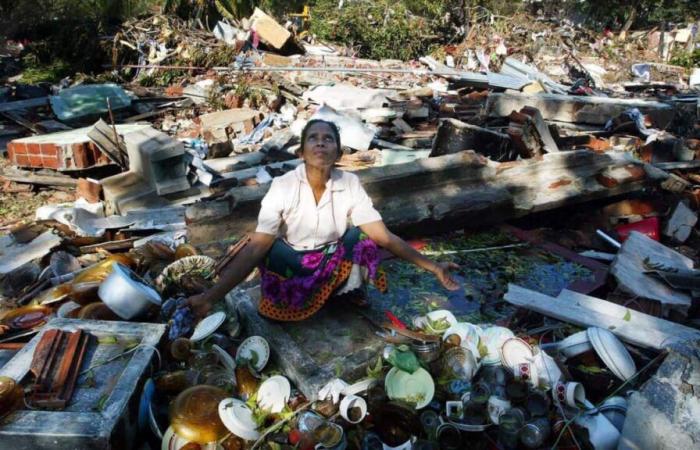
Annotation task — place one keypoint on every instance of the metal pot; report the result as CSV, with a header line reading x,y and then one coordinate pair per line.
x,y
126,293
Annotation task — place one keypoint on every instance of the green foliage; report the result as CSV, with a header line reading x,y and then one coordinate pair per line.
x,y
647,12
687,59
378,29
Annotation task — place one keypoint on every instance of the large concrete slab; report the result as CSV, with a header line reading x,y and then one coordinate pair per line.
x,y
337,342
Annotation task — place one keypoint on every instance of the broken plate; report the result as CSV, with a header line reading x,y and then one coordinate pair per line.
x,y
416,388
207,326
238,418
254,345
274,393
612,352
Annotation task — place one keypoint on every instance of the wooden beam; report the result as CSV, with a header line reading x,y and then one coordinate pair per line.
x,y
641,329
24,104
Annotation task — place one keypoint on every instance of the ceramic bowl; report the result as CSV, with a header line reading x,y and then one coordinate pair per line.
x,y
194,416
416,388
171,441
126,293
574,345
612,352
429,322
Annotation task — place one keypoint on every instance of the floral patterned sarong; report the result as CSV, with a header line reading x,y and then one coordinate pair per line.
x,y
296,284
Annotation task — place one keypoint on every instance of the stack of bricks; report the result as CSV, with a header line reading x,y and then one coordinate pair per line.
x,y
36,153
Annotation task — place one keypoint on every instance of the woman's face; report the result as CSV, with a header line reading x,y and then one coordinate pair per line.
x,y
320,149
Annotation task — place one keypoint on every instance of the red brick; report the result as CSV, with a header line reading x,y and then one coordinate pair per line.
x,y
51,163
81,156
22,160
33,149
35,161
49,150
19,148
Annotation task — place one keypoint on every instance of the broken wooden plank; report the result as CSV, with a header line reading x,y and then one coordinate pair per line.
x,y
628,269
641,329
577,109
24,104
455,136
120,245
44,179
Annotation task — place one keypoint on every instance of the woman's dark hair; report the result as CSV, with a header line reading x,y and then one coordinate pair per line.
x,y
331,125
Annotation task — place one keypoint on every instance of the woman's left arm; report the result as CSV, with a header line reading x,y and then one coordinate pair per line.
x,y
381,235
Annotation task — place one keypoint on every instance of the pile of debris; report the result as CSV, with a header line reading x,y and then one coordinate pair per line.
x,y
169,180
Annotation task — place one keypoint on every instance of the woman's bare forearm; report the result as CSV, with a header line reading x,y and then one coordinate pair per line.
x,y
240,267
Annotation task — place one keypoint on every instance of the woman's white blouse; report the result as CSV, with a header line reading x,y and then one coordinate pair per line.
x,y
289,209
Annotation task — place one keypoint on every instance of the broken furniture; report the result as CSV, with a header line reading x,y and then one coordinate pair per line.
x,y
156,167
99,415
56,363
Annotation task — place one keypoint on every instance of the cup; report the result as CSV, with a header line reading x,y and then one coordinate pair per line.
x,y
537,404
525,372
497,407
353,408
535,432
454,409
570,394
449,437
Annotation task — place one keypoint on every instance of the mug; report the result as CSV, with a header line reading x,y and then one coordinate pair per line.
x,y
525,372
352,403
568,394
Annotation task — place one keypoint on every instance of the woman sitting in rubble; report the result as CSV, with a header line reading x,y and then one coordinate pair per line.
x,y
302,244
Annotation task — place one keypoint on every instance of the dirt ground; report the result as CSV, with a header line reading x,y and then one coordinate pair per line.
x,y
19,202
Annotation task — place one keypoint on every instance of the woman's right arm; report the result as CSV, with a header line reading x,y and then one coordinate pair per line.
x,y
250,256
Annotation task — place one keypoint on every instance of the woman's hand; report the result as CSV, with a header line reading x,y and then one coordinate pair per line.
x,y
200,305
442,273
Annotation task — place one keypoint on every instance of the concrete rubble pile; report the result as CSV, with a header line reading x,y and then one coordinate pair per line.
x,y
569,202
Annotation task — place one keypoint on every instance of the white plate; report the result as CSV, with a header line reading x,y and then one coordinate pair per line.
x,y
273,393
256,344
360,386
422,323
612,352
207,326
238,418
469,335
515,351
226,360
